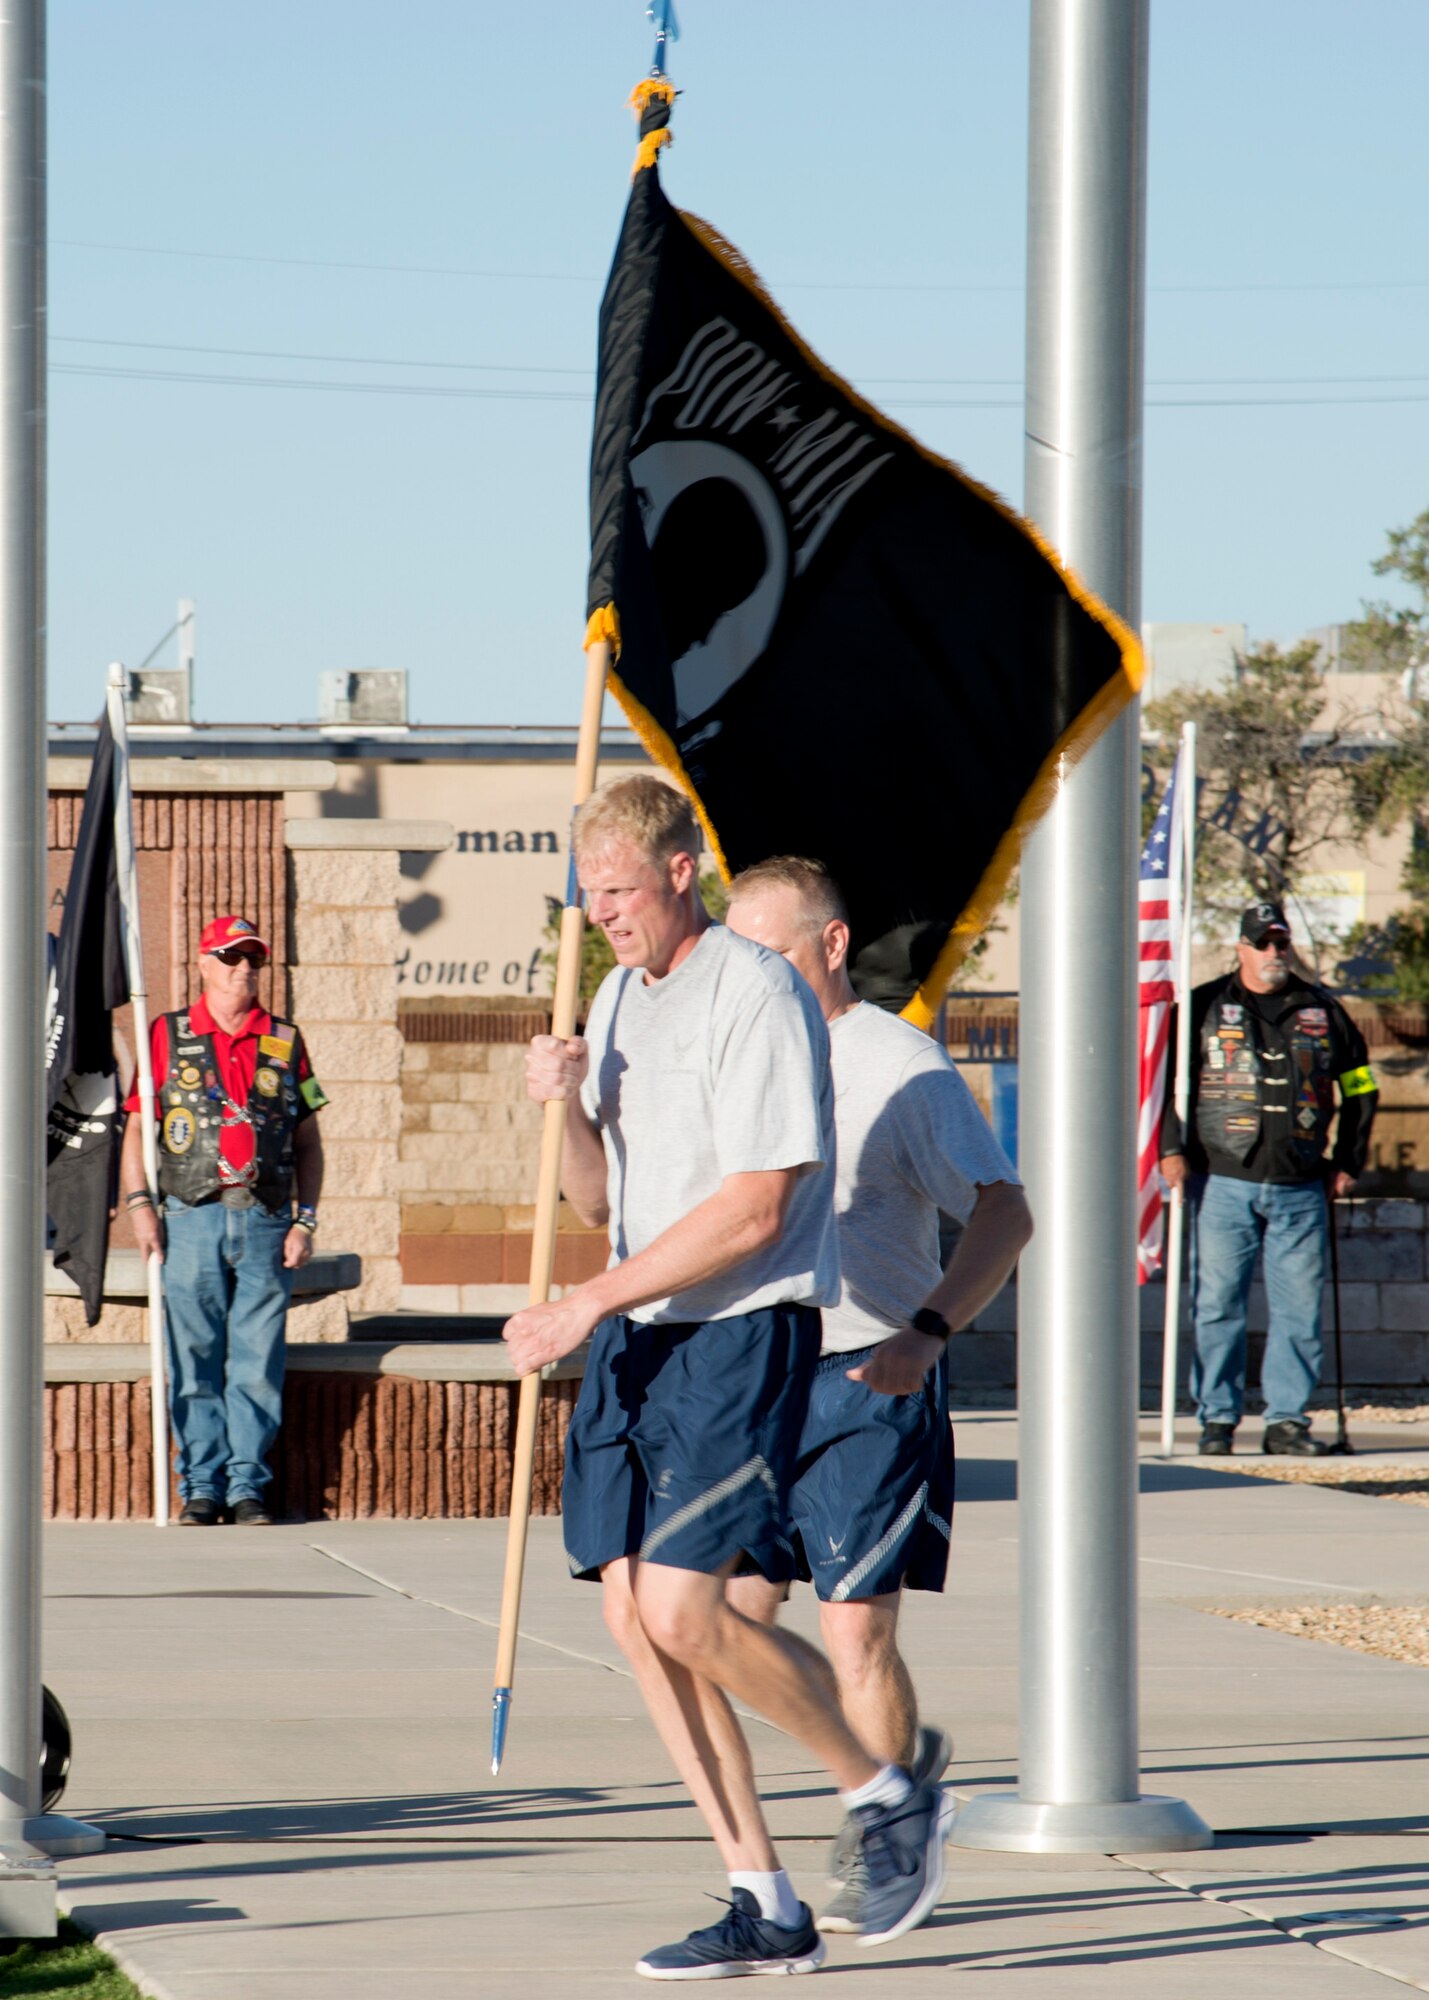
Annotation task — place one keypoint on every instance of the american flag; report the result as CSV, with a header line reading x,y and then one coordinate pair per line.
x,y
1158,932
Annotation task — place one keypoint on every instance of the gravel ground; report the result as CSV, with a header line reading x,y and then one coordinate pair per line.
x,y
1382,1482
1391,1631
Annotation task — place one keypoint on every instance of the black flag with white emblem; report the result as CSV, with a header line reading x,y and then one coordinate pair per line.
x,y
840,644
87,981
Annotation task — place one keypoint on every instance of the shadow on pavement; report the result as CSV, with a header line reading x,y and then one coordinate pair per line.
x,y
996,1479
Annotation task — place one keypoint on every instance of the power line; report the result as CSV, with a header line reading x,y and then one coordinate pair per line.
x,y
588,374
314,382
784,284
353,360
428,390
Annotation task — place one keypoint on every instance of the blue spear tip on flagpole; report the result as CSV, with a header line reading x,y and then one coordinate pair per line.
x,y
667,29
500,1714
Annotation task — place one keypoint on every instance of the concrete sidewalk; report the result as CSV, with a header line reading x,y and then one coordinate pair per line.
x,y
288,1732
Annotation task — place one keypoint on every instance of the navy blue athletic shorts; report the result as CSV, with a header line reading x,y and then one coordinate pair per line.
x,y
682,1443
872,1504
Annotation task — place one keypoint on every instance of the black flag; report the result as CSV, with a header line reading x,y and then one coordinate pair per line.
x,y
840,644
87,981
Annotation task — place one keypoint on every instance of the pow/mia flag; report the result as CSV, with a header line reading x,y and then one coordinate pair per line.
x,y
88,980
840,644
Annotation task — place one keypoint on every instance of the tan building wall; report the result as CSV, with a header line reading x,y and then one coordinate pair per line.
x,y
472,919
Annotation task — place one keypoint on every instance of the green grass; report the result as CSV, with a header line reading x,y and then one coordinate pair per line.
x,y
68,1967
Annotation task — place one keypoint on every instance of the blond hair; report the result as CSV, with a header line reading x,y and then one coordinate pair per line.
x,y
651,815
820,898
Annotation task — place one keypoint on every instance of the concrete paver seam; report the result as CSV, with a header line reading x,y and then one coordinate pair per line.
x,y
493,1625
1332,1947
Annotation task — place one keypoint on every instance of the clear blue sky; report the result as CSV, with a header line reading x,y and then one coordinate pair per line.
x,y
387,188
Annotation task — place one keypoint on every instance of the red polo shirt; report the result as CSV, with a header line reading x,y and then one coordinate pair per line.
x,y
237,1059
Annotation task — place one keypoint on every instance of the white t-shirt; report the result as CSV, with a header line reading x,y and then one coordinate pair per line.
x,y
719,1068
911,1141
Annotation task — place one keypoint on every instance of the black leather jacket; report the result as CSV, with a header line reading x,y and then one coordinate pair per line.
x,y
1264,1072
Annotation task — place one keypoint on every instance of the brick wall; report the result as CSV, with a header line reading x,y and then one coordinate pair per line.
x,y
469,1148
351,1448
198,856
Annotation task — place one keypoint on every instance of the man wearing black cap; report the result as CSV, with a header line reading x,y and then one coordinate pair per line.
x,y
1267,1051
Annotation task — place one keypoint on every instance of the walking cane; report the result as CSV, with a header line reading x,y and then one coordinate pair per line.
x,y
1342,1444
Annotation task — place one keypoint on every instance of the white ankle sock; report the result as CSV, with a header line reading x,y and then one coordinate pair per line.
x,y
774,1894
888,1787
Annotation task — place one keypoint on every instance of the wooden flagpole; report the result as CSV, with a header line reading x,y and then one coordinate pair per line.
x,y
548,1197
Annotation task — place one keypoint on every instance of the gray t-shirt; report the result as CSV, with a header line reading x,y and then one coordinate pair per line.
x,y
911,1141
721,1067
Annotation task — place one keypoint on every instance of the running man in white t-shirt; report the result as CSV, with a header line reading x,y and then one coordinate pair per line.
x,y
700,1127
873,1489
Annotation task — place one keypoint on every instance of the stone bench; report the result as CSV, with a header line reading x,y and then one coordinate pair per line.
x,y
374,1430
126,1279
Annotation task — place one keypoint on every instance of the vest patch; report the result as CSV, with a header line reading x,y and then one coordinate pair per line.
x,y
266,1080
276,1047
180,1129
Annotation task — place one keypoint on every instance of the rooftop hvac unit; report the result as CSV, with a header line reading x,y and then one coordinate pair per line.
x,y
372,697
160,697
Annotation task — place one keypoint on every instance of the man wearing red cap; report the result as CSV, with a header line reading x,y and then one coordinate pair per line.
x,y
238,1145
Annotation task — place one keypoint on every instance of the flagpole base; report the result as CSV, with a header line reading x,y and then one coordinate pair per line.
x,y
1010,1824
27,1887
58,1834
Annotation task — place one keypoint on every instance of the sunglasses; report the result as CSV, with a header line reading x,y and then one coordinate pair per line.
x,y
234,954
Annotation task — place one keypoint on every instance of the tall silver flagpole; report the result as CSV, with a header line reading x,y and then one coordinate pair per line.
x,y
1181,1091
127,869
1079,1788
27,1897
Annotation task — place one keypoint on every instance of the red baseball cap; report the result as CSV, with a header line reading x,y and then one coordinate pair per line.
x,y
225,931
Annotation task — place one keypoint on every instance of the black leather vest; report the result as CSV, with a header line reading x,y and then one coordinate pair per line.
x,y
192,1104
1230,1092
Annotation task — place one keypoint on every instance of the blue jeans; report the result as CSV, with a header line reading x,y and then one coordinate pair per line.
x,y
1232,1221
225,1304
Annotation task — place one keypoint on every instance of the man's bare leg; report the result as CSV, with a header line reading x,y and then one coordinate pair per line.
x,y
699,1729
688,1617
875,1689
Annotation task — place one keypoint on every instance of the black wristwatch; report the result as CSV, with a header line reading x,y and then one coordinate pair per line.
x,y
925,1320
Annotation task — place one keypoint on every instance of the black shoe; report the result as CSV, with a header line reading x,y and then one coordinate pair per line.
x,y
251,1514
1217,1440
1291,1440
200,1512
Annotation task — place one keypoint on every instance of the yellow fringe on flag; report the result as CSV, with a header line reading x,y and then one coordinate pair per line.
x,y
648,88
603,625
649,146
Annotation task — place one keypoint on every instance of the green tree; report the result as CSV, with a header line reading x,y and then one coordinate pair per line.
x,y
1276,782
1394,783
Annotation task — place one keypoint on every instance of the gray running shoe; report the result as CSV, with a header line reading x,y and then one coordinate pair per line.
x,y
903,1854
935,1753
844,1914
